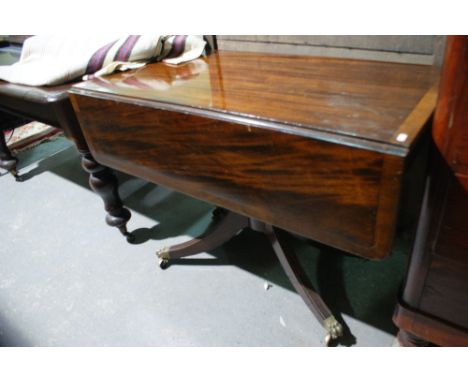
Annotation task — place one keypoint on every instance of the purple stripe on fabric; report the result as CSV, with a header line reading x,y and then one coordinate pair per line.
x,y
125,50
96,61
178,46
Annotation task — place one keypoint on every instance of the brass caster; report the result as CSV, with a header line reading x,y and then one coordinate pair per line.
x,y
163,255
334,329
163,263
14,172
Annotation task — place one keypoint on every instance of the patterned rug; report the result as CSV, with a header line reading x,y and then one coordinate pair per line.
x,y
30,135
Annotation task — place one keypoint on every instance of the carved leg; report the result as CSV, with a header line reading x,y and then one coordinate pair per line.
x,y
103,182
225,225
7,161
299,280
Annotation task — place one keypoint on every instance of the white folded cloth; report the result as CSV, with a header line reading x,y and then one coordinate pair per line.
x,y
54,59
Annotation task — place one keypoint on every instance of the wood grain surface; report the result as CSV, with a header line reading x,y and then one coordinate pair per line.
x,y
306,144
350,99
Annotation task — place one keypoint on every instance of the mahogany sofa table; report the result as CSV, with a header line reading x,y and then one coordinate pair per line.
x,y
313,146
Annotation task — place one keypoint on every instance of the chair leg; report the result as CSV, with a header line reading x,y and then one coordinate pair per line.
x,y
225,225
104,183
300,281
7,161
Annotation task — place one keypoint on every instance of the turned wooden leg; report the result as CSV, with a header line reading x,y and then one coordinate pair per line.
x,y
224,226
104,183
7,161
301,283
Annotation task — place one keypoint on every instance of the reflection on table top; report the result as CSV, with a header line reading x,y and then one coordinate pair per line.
x,y
380,101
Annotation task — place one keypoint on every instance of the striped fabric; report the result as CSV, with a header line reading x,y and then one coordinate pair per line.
x,y
123,54
97,59
54,60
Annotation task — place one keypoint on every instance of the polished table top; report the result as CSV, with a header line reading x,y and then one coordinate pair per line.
x,y
355,99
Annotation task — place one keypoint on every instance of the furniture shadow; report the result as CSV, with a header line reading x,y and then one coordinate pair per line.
x,y
365,290
177,213
43,158
10,336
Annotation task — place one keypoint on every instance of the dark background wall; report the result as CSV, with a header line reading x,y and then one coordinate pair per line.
x,y
411,49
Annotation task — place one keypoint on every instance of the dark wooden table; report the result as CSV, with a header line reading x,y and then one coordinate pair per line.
x,y
51,105
314,146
